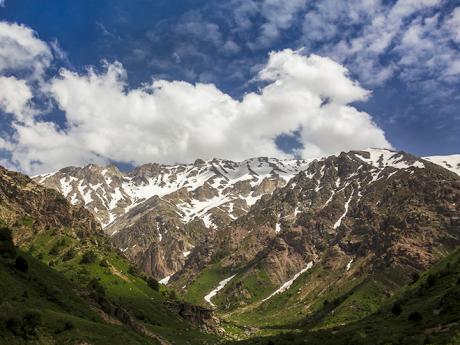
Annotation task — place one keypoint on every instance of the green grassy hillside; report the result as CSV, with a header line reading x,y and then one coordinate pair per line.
x,y
92,264
426,311
40,306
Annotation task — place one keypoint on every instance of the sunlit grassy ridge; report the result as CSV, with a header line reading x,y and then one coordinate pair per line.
x,y
93,258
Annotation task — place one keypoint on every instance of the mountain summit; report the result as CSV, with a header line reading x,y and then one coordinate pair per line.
x,y
156,214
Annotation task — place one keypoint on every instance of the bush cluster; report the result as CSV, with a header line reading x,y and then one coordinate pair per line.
x,y
153,283
88,257
24,326
7,249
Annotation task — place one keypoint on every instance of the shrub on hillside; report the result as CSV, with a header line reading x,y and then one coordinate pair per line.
x,y
415,316
98,289
21,264
66,326
396,309
7,249
133,270
88,257
431,280
30,321
153,284
69,255
57,247
25,326
172,295
13,324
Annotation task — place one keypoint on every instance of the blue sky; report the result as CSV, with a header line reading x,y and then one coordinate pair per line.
x,y
406,53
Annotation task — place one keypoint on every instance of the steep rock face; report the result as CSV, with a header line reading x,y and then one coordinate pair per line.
x,y
196,315
30,208
349,218
157,214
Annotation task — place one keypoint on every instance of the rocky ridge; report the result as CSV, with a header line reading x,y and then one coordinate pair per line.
x,y
158,214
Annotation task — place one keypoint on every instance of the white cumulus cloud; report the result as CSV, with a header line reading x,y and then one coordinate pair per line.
x,y
21,50
14,97
175,121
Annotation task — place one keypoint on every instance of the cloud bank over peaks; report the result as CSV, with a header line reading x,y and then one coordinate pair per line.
x,y
176,121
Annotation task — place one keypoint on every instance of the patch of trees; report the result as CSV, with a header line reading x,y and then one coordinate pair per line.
x,y
24,326
415,316
7,249
21,264
88,257
153,283
396,309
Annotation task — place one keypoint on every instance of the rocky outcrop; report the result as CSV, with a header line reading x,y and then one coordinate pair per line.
x,y
29,208
203,318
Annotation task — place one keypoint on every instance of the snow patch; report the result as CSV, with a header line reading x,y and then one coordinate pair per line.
x,y
347,204
66,185
165,280
219,287
277,227
451,162
382,158
288,284
349,264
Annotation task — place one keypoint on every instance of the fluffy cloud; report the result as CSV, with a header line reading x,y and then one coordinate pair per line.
x,y
175,121
14,97
22,51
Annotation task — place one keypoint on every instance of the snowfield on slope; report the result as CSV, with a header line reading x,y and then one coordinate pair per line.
x,y
219,287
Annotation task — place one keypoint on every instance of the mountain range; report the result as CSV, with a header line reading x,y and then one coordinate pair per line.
x,y
260,251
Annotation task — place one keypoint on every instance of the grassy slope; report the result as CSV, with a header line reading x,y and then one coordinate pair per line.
x,y
65,317
122,287
435,296
306,302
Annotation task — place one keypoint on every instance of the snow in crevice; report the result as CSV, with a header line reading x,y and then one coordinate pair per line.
x,y
165,280
44,177
277,227
74,199
347,204
66,185
208,221
86,195
349,264
297,211
329,200
219,287
288,284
